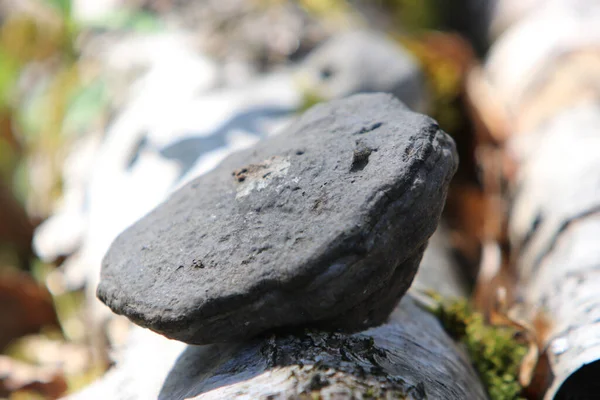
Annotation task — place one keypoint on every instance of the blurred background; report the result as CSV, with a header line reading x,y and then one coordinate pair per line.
x,y
108,106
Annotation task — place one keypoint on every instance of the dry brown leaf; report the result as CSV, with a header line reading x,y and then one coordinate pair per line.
x,y
535,374
16,229
25,306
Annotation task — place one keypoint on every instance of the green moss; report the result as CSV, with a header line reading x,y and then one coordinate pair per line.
x,y
413,15
494,351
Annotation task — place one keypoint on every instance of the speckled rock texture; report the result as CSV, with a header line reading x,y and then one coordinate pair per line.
x,y
321,226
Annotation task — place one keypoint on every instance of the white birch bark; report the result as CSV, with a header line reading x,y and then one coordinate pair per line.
x,y
544,74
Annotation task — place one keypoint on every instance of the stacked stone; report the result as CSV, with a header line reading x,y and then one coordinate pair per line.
x,y
321,226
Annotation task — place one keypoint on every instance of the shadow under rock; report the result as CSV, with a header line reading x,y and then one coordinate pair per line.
x,y
411,354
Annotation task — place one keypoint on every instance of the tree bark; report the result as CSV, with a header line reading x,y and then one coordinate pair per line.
x,y
543,74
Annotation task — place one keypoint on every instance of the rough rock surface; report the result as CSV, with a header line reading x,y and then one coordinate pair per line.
x,y
323,225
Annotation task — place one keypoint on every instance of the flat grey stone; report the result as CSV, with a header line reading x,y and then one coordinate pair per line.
x,y
323,225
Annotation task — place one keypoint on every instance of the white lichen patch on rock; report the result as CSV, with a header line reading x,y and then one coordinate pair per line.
x,y
257,177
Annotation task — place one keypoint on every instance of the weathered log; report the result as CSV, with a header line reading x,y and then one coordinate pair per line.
x,y
548,91
410,356
555,224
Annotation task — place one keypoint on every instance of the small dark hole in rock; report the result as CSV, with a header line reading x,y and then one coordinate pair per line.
x,y
299,152
360,158
224,238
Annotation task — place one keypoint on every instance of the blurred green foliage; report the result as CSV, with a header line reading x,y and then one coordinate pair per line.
x,y
413,16
410,16
38,75
325,8
48,95
124,19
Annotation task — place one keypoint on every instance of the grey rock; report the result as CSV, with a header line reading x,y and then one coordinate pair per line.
x,y
363,62
323,225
